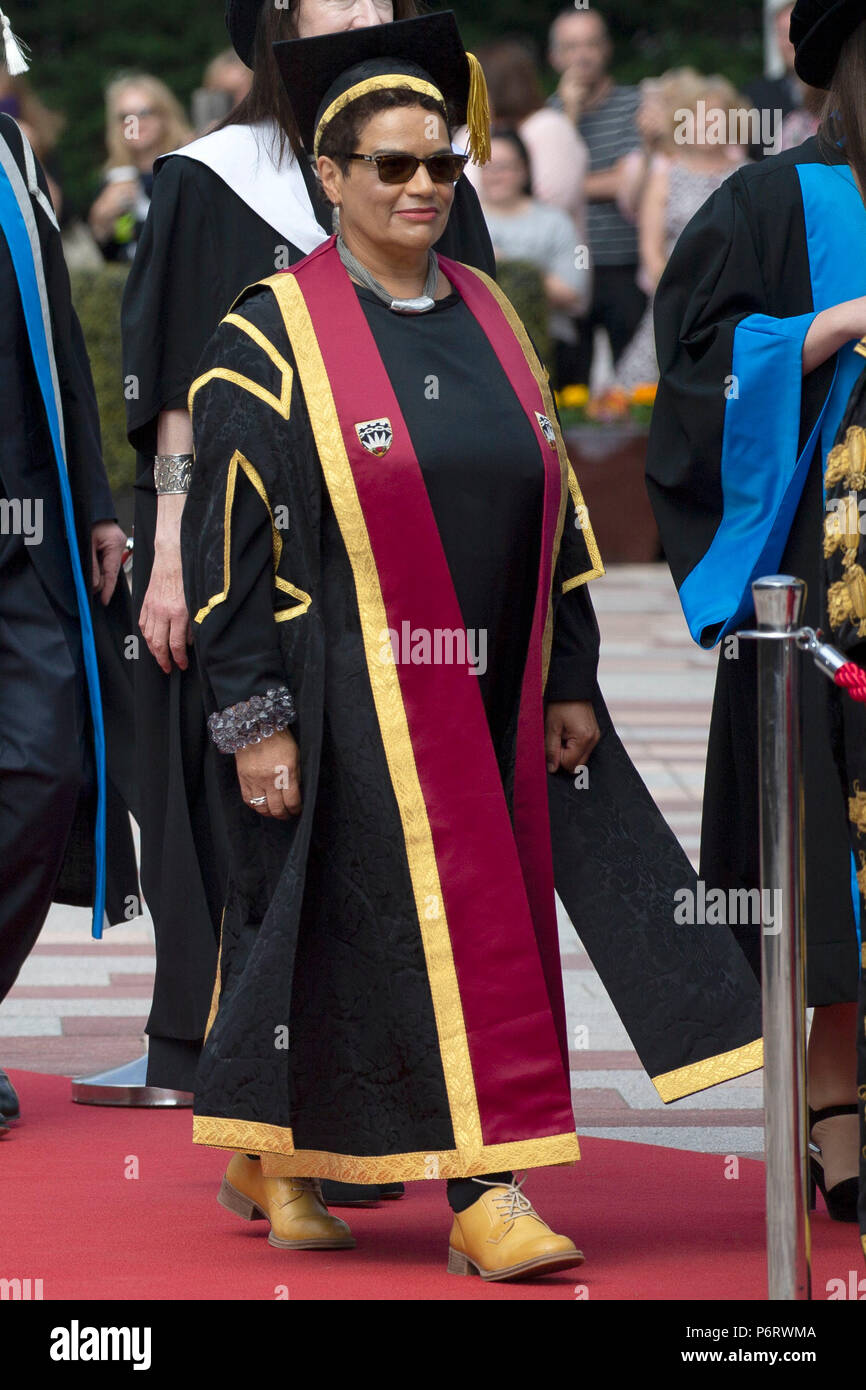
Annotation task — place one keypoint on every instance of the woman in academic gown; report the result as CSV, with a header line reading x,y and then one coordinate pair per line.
x,y
367,492
380,504
757,319
227,210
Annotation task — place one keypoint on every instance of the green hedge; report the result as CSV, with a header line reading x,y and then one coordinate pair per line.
x,y
96,295
523,283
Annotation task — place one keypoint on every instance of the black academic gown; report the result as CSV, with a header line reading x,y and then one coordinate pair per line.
x,y
201,246
46,761
687,997
736,454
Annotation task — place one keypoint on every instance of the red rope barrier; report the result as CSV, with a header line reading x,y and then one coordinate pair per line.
x,y
853,679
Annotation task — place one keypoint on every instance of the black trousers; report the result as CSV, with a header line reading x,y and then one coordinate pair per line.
x,y
42,750
617,306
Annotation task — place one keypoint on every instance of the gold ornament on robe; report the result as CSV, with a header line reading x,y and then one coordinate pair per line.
x,y
857,816
842,525
846,462
836,470
846,599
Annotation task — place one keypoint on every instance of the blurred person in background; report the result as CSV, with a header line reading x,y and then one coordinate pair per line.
x,y
226,83
652,125
558,158
524,229
41,126
779,95
802,123
143,120
580,51
682,174
226,73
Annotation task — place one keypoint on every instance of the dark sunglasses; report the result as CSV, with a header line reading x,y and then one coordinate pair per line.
x,y
402,168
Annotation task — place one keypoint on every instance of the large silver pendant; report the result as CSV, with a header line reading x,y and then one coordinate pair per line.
x,y
422,305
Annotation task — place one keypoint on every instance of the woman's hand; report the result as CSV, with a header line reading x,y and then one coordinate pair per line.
x,y
570,734
164,620
271,769
114,200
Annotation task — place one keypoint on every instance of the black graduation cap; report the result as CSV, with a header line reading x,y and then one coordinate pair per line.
x,y
242,16
324,74
818,30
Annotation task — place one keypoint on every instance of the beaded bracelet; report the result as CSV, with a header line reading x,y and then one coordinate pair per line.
x,y
252,720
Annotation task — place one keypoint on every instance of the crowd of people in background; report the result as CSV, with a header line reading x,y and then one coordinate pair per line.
x,y
591,185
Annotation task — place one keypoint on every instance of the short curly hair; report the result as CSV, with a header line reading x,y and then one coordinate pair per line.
x,y
341,135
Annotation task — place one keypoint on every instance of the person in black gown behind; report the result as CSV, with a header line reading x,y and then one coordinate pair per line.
x,y
232,207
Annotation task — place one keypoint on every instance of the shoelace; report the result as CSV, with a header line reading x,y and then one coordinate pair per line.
x,y
511,1200
308,1185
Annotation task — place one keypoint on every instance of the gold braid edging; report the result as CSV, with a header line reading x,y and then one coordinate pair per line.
x,y
272,1142
685,1081
239,461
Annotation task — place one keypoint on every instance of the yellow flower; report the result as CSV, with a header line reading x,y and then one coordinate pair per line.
x,y
572,397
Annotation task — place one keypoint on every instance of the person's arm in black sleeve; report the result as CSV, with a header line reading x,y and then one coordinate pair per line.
x,y
236,640
173,300
232,551
228,533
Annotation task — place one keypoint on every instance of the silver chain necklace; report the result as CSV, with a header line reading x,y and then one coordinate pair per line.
x,y
422,305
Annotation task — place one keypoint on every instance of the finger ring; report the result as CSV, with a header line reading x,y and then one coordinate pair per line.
x,y
259,801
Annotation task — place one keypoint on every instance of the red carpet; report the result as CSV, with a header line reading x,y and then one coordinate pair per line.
x,y
653,1223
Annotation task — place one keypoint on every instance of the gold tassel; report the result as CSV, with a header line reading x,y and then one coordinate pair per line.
x,y
16,63
478,112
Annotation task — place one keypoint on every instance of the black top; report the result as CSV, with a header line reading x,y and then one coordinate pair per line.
x,y
200,247
482,470
481,466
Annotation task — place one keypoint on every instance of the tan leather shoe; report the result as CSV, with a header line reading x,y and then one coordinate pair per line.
x,y
298,1216
501,1236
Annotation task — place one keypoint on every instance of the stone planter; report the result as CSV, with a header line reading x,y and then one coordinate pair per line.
x,y
609,461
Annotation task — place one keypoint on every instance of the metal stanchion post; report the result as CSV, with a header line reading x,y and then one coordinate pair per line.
x,y
778,606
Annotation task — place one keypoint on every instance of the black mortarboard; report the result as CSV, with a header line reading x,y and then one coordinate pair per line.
x,y
818,30
242,16
324,74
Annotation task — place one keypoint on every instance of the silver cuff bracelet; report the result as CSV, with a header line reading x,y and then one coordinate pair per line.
x,y
172,473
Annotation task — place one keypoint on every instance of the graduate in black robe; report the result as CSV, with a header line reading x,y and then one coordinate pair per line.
x,y
749,407
65,687
227,210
